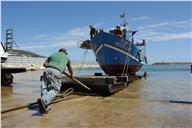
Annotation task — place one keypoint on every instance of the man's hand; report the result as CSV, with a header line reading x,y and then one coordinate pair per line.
x,y
71,75
46,62
70,69
68,75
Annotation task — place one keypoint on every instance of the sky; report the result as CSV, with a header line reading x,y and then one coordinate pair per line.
x,y
44,27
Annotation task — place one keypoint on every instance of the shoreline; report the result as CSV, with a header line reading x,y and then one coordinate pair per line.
x,y
172,63
34,67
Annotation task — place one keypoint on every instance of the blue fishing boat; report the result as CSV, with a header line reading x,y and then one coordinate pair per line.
x,y
117,54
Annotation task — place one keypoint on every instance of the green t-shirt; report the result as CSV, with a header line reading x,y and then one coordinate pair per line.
x,y
58,60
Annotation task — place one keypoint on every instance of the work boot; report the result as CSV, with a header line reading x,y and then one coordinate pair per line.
x,y
42,105
47,109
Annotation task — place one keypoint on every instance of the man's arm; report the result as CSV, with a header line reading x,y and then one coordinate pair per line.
x,y
45,64
70,68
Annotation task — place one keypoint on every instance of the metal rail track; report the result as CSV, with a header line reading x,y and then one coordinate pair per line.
x,y
61,98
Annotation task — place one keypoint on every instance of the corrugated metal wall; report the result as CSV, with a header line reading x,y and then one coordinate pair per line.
x,y
23,60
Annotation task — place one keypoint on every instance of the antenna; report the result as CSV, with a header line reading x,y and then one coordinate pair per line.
x,y
124,20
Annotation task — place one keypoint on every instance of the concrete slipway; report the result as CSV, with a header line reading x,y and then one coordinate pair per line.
x,y
128,108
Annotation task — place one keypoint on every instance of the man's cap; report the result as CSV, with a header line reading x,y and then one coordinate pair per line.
x,y
118,26
63,50
91,26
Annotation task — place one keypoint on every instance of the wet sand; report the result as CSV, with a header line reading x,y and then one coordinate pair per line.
x,y
129,108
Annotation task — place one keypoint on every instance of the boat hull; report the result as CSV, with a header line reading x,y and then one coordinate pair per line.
x,y
118,69
112,56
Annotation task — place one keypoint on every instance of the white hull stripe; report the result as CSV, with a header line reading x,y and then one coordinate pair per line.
x,y
98,49
121,51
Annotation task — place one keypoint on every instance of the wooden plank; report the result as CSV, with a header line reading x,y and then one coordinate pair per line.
x,y
99,84
117,87
96,80
77,81
122,79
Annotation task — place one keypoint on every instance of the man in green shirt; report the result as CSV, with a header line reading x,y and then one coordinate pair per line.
x,y
55,66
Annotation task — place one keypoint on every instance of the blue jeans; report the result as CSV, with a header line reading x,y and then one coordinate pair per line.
x,y
51,84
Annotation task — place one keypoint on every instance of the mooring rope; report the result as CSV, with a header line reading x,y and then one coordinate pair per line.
x,y
126,60
83,60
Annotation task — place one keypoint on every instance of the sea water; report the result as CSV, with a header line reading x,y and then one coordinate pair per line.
x,y
170,82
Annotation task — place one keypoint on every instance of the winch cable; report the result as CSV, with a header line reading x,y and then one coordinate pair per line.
x,y
124,66
83,60
126,60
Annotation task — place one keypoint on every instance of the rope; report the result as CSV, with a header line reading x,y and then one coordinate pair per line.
x,y
126,60
127,65
129,57
84,56
124,66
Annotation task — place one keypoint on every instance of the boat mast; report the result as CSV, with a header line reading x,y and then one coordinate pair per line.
x,y
122,16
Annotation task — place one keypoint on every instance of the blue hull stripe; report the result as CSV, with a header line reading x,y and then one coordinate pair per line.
x,y
116,49
119,50
98,49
